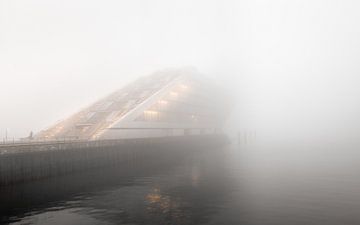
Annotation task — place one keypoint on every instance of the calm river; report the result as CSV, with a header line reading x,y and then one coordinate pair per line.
x,y
253,183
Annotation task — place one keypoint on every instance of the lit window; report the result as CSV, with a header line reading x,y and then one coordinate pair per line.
x,y
173,93
150,112
151,115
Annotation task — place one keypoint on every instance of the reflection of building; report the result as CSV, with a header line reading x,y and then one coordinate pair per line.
x,y
167,103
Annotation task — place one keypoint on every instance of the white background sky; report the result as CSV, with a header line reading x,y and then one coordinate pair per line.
x,y
293,64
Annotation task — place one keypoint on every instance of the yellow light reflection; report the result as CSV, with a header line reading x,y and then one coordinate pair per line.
x,y
160,202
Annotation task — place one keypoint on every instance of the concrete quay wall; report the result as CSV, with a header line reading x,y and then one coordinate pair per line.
x,y
24,163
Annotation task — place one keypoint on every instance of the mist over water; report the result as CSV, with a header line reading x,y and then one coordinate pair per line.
x,y
290,67
255,182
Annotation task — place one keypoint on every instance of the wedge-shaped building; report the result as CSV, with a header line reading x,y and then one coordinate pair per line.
x,y
166,103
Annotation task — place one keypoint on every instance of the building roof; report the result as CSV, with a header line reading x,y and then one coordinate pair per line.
x,y
149,102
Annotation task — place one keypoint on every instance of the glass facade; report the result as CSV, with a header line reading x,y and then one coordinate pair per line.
x,y
173,99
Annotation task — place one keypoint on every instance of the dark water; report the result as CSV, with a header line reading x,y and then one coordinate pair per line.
x,y
248,184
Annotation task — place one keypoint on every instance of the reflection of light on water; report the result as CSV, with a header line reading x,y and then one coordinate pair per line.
x,y
161,203
195,175
154,197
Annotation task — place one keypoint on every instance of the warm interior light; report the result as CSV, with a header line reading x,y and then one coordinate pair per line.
x,y
151,112
163,102
173,93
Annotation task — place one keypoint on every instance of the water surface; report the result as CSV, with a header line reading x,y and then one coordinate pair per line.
x,y
252,183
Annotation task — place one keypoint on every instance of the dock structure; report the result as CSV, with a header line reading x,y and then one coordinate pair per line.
x,y
166,103
44,160
160,111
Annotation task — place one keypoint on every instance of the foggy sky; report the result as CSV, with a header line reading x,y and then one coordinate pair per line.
x,y
293,65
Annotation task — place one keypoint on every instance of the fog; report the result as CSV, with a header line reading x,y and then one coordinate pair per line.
x,y
291,66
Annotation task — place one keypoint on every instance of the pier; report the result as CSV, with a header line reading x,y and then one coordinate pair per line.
x,y
33,161
151,118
